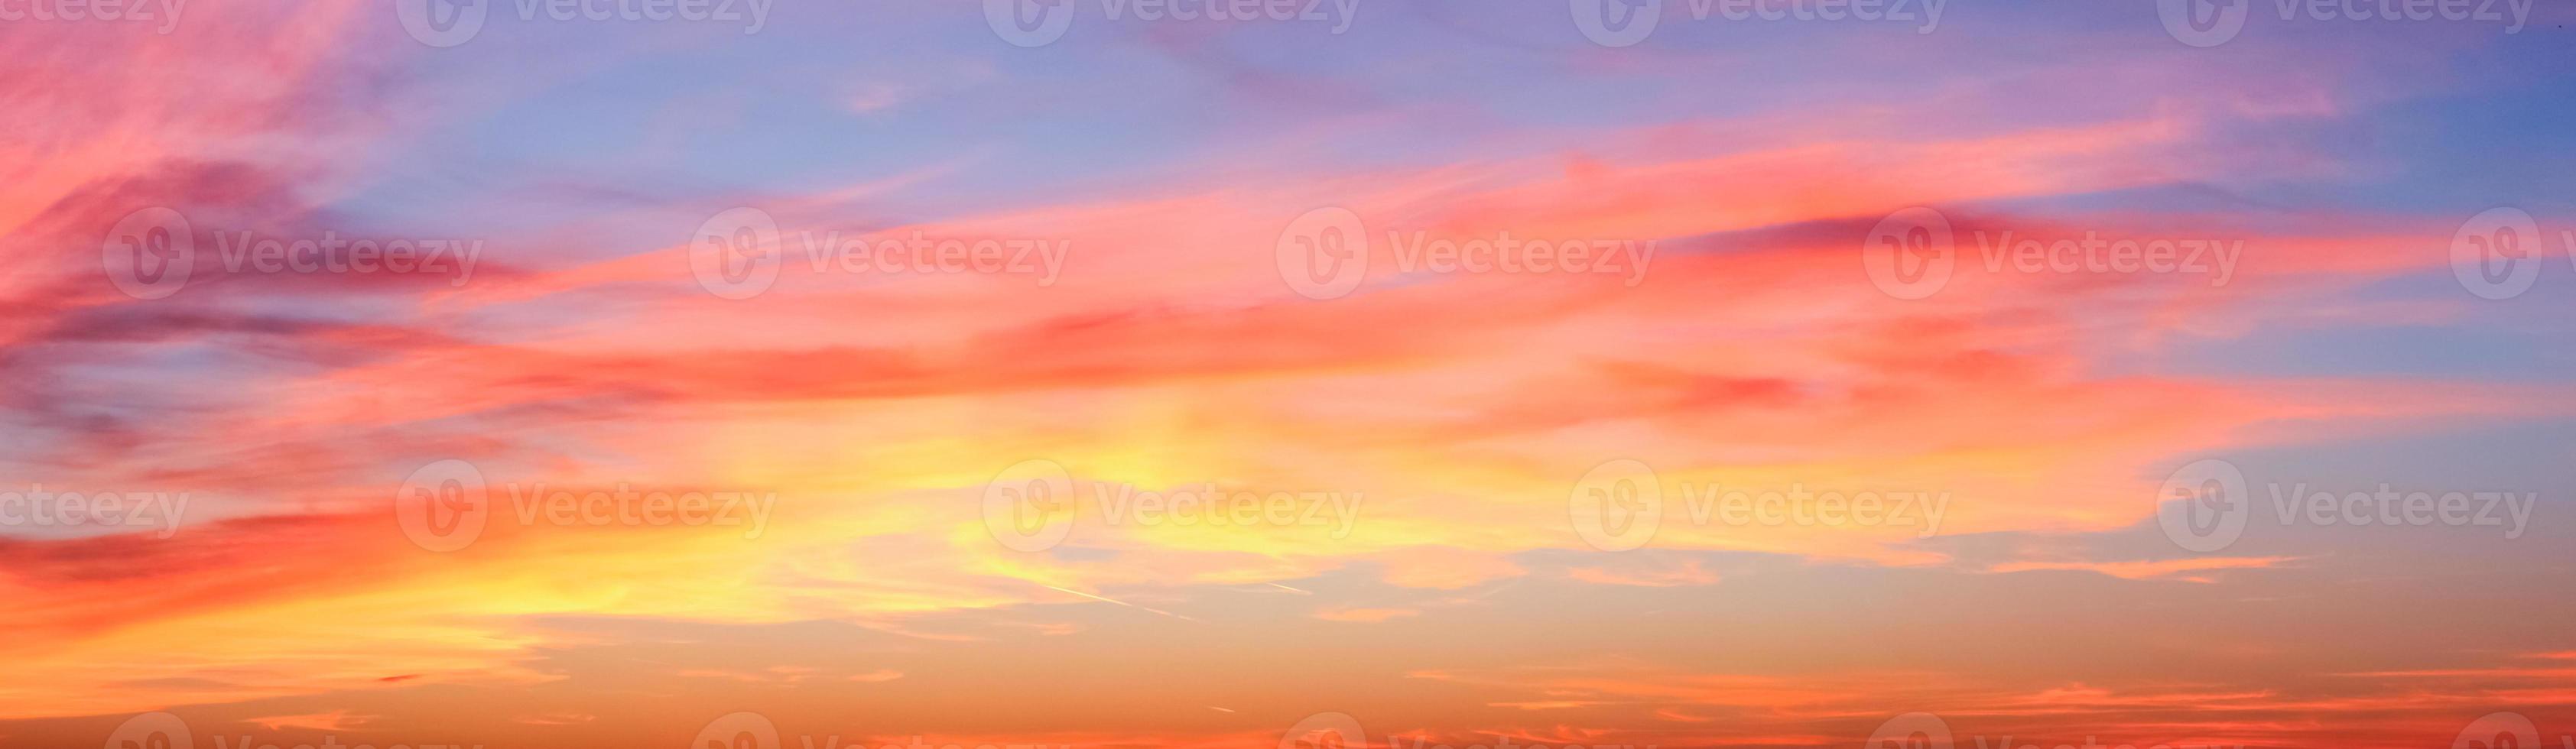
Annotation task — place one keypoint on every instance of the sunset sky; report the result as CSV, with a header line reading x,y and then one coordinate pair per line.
x,y
639,373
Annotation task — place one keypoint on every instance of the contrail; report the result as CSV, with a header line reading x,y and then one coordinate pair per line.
x,y
1115,601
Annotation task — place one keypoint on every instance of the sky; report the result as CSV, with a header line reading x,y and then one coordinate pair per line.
x,y
1359,374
